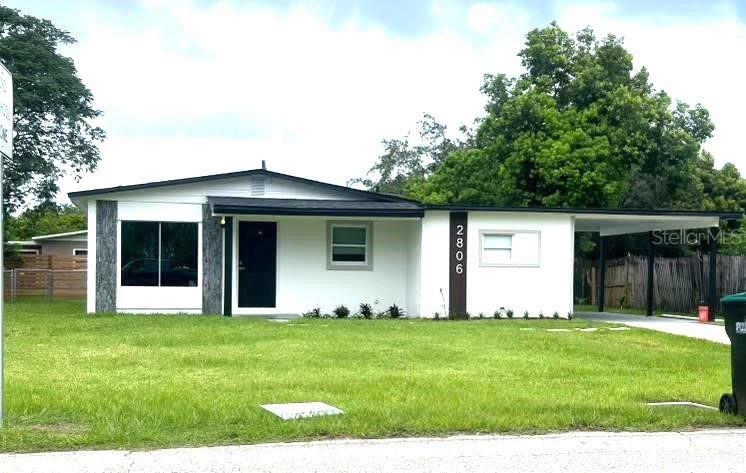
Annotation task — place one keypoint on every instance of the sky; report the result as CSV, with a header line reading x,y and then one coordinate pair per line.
x,y
192,88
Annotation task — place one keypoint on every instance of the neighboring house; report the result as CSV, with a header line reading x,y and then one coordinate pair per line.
x,y
57,244
263,243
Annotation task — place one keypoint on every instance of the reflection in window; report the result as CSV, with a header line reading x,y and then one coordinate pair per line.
x,y
159,254
139,253
178,254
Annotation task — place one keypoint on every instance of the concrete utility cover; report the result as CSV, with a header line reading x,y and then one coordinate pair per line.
x,y
695,405
298,410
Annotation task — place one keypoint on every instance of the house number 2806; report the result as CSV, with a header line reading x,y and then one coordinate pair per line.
x,y
459,249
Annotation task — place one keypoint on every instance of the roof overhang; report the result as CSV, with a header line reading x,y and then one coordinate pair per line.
x,y
610,222
80,235
313,207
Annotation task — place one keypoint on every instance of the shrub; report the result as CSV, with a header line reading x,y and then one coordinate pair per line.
x,y
498,314
555,315
366,310
569,316
314,313
509,313
541,314
436,316
481,315
341,311
395,311
525,315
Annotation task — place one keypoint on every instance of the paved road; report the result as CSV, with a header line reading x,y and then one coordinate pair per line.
x,y
687,328
709,450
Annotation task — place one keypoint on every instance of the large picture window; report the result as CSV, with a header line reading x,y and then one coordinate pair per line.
x,y
159,254
349,245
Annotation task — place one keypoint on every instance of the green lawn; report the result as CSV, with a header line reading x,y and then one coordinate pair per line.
x,y
76,381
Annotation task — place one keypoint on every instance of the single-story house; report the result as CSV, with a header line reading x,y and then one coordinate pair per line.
x,y
57,244
268,244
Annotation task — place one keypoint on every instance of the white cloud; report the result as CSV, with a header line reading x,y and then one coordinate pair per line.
x,y
320,97
315,99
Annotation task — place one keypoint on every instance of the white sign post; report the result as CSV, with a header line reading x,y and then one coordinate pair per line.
x,y
6,151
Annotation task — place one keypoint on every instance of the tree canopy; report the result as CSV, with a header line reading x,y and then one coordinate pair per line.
x,y
45,219
54,133
579,128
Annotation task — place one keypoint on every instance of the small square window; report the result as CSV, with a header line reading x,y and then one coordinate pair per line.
x,y
349,245
497,248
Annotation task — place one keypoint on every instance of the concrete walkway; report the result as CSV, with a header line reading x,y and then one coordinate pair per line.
x,y
687,328
709,450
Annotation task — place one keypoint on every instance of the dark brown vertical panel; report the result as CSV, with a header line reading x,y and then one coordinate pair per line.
x,y
457,266
212,263
106,256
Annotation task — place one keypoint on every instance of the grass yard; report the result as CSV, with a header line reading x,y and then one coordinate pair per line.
x,y
76,381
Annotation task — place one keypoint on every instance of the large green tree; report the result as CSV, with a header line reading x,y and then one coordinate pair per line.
x,y
404,160
45,219
580,128
54,130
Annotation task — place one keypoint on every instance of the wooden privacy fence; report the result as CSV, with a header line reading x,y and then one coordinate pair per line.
x,y
47,262
44,283
45,276
681,284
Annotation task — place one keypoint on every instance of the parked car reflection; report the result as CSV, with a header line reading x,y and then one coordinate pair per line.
x,y
144,272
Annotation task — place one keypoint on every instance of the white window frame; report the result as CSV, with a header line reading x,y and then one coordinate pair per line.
x,y
75,251
366,265
511,234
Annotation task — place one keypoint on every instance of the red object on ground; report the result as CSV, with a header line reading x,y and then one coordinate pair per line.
x,y
704,314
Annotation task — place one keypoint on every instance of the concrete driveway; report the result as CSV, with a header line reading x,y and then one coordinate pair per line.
x,y
686,328
709,450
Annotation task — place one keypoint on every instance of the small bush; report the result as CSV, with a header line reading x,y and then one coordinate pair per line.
x,y
541,314
498,314
481,315
314,313
395,311
436,316
569,316
525,315
366,311
341,311
509,313
555,315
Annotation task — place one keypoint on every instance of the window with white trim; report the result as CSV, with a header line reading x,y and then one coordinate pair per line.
x,y
349,245
497,248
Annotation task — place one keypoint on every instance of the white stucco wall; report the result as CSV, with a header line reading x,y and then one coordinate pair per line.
x,y
434,264
304,282
546,287
91,271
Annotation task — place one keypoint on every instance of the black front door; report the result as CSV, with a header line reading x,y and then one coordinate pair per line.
x,y
257,264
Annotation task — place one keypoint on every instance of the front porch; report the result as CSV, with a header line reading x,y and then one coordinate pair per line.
x,y
287,256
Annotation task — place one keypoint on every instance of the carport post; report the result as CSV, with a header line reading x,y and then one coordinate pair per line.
x,y
601,273
651,275
712,292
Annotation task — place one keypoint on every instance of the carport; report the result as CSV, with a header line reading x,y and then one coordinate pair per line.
x,y
609,223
